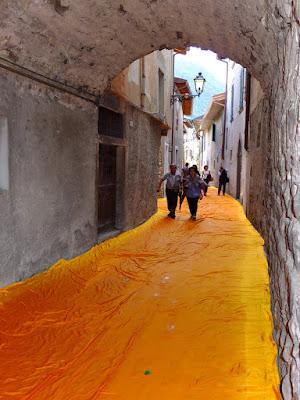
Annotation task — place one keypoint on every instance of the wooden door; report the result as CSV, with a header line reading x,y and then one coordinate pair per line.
x,y
107,185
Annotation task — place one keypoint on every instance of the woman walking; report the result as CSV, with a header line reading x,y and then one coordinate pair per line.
x,y
194,186
223,179
206,176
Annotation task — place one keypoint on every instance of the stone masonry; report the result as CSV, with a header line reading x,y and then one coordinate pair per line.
x,y
84,47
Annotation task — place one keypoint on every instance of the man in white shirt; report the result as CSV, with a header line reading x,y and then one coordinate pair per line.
x,y
173,178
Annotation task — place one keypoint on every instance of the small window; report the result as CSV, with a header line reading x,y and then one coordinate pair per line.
x,y
214,164
161,93
4,171
110,123
230,155
214,132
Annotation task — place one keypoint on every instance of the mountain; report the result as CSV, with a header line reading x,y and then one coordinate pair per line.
x,y
188,68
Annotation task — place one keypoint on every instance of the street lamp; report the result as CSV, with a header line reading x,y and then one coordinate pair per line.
x,y
199,86
199,83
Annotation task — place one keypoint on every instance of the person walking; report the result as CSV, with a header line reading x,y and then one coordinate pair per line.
x,y
193,192
223,179
206,176
196,169
173,179
184,174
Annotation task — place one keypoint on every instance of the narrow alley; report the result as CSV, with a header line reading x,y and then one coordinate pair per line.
x,y
173,310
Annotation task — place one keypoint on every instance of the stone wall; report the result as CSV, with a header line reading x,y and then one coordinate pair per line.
x,y
262,36
50,208
48,211
143,134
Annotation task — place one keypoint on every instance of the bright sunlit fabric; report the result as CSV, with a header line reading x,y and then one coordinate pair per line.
x,y
173,310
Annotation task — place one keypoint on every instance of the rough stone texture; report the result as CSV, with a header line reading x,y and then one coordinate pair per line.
x,y
143,165
48,212
86,46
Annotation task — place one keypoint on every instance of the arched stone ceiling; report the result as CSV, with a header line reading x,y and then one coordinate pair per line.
x,y
85,43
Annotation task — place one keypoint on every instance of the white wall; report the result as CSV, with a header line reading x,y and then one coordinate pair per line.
x,y
212,150
235,128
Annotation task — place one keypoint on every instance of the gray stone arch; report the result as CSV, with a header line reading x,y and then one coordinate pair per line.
x,y
86,46
83,47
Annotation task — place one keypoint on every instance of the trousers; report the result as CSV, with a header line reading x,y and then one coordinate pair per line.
x,y
193,204
220,187
172,199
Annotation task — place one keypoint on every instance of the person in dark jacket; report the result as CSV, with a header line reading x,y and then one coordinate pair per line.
x,y
222,181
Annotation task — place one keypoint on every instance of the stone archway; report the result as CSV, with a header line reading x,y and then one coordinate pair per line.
x,y
85,47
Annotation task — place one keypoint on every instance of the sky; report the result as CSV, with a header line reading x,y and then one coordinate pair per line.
x,y
214,71
207,58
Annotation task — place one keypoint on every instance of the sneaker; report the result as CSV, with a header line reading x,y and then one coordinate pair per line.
x,y
170,214
194,217
173,216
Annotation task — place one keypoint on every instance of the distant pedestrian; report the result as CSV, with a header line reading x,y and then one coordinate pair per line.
x,y
206,176
223,179
196,169
194,186
173,178
184,173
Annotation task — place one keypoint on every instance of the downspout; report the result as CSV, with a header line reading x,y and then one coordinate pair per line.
x,y
173,112
225,109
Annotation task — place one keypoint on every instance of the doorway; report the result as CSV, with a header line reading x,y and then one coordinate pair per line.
x,y
107,188
239,171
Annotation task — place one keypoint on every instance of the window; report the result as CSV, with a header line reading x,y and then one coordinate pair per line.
x,y
214,164
176,155
4,172
214,132
242,84
110,123
161,93
230,155
232,102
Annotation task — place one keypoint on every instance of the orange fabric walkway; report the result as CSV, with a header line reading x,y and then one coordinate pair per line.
x,y
173,310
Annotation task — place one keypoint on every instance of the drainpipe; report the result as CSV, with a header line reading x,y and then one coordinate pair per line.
x,y
173,112
225,108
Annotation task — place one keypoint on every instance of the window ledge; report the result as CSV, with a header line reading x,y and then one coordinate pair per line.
x,y
241,110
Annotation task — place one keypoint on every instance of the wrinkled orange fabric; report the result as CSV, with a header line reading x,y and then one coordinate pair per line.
x,y
173,310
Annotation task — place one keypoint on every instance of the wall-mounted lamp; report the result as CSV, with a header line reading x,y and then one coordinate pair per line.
x,y
199,86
